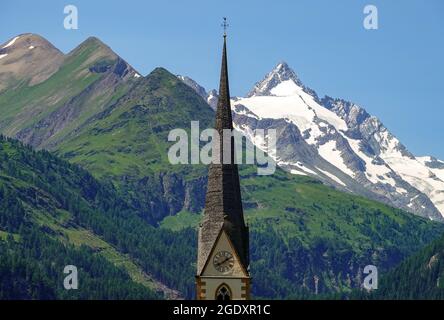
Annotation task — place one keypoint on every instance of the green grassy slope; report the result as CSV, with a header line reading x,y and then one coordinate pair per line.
x,y
127,144
130,136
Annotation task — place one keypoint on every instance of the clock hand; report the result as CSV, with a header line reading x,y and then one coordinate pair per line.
x,y
222,262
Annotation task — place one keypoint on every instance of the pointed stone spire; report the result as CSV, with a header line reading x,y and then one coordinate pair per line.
x,y
223,206
223,112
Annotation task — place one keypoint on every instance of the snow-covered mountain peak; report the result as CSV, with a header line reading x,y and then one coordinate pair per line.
x,y
338,142
281,76
284,72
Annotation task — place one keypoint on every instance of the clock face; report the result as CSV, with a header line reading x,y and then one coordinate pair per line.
x,y
223,261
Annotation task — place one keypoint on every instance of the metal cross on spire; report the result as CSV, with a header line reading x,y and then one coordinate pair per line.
x,y
225,25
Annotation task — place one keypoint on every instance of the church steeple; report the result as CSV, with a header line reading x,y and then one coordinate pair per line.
x,y
223,213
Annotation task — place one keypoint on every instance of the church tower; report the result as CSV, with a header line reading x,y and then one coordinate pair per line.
x,y
223,244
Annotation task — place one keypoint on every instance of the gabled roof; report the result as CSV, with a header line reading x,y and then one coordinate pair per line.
x,y
222,231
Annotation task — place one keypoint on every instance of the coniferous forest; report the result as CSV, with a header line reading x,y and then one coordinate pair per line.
x,y
54,214
44,202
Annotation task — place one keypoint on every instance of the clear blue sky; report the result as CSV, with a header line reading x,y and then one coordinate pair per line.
x,y
395,72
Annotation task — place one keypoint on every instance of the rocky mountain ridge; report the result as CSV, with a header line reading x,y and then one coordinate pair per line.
x,y
339,143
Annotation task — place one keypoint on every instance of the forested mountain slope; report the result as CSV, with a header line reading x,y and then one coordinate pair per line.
x,y
55,211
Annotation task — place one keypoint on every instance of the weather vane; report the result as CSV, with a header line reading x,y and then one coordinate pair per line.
x,y
225,25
